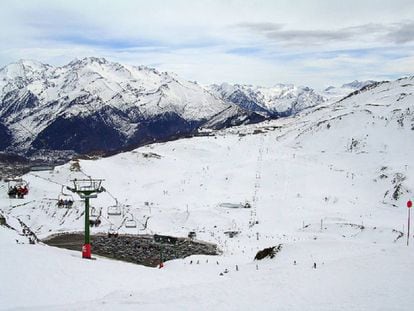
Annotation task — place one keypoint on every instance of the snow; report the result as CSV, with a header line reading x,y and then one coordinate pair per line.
x,y
333,93
342,282
86,86
106,79
312,189
280,98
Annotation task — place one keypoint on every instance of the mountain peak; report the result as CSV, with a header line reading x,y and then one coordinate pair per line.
x,y
76,63
24,65
21,72
357,84
30,63
279,100
92,95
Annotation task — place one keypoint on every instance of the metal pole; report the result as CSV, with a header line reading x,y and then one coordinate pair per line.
x,y
86,250
87,233
87,192
408,232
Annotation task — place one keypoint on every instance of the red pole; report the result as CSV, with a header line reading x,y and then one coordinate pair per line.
x,y
409,205
408,233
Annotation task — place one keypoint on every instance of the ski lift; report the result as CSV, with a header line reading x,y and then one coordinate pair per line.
x,y
93,185
95,213
95,222
112,232
130,222
94,217
17,188
65,200
114,210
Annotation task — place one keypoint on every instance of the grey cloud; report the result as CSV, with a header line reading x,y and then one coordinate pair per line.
x,y
309,36
398,33
260,27
402,33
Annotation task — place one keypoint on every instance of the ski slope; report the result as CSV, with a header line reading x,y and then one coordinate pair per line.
x,y
322,184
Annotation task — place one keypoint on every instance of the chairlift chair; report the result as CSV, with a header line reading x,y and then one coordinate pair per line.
x,y
114,210
17,188
94,217
95,213
112,232
65,200
130,222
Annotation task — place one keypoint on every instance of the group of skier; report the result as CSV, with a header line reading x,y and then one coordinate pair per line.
x,y
18,192
65,203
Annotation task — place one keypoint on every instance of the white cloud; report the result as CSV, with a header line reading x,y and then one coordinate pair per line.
x,y
265,42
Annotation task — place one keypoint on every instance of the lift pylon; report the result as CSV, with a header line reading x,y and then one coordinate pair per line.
x,y
87,189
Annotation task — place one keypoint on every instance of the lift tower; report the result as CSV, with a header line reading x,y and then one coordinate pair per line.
x,y
87,189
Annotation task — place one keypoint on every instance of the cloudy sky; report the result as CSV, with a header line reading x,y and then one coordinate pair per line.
x,y
307,42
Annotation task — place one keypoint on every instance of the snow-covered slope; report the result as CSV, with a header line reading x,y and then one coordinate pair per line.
x,y
279,100
336,93
329,184
105,105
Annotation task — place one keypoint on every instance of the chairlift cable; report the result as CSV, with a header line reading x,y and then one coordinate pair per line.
x,y
116,200
89,176
107,220
106,190
47,179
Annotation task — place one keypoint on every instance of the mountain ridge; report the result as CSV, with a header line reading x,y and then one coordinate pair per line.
x,y
277,101
96,105
39,103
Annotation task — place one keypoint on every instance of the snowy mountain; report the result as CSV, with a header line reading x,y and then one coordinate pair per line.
x,y
357,85
279,100
95,104
330,185
335,93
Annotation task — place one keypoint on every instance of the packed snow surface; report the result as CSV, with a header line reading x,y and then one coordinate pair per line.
x,y
330,185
